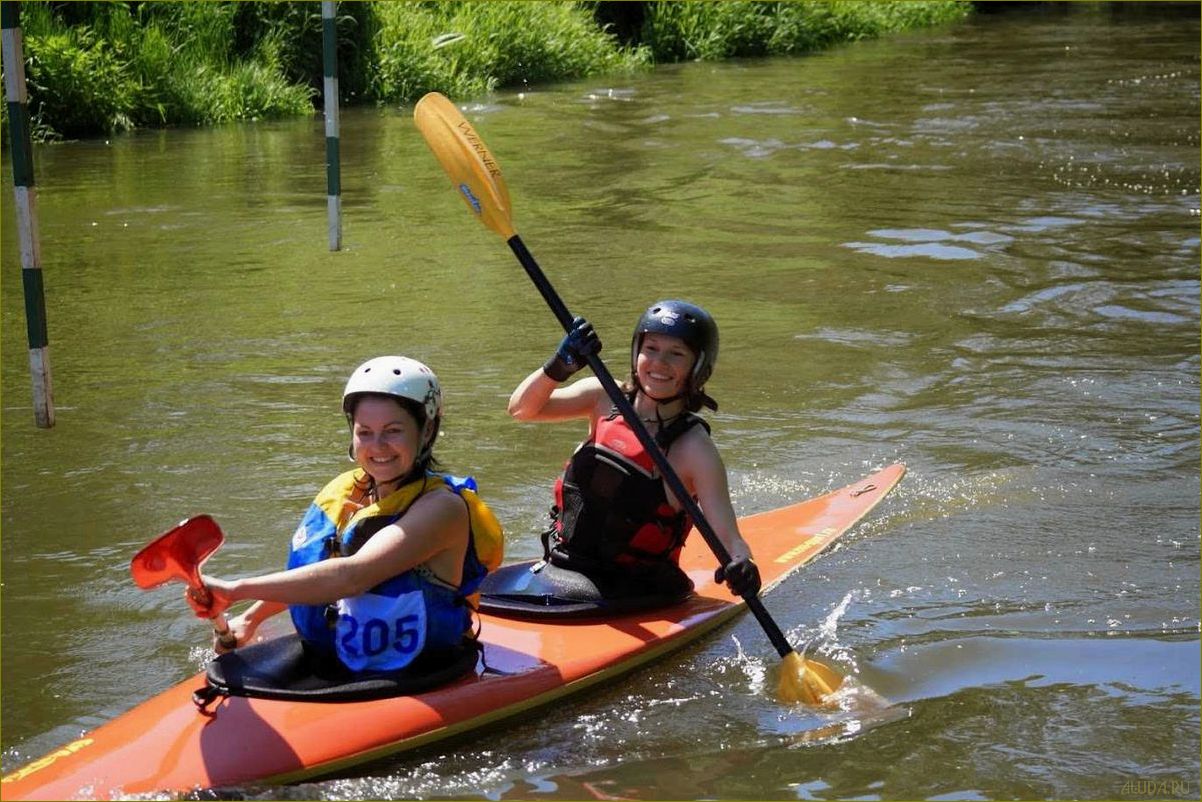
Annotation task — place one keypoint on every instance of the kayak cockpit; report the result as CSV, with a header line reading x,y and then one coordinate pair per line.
x,y
538,589
285,668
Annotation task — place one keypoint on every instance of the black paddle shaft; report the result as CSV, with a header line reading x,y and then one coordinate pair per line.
x,y
657,455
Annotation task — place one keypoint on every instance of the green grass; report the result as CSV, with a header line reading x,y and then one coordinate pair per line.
x,y
463,49
95,68
678,31
107,67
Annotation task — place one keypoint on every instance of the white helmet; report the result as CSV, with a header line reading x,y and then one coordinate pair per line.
x,y
399,377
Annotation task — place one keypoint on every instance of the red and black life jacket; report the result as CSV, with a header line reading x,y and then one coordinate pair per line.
x,y
611,507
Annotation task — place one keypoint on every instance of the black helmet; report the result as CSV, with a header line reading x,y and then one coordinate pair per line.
x,y
690,323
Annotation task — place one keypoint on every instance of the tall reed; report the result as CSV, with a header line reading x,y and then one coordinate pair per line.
x,y
710,30
465,49
105,67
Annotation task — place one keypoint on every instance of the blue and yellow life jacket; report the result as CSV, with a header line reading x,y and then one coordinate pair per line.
x,y
389,625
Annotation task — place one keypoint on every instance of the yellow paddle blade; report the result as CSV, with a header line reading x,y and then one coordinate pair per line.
x,y
467,160
806,681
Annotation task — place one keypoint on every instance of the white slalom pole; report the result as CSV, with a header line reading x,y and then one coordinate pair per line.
x,y
329,39
16,96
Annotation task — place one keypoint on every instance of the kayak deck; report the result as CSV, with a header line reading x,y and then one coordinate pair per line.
x,y
166,743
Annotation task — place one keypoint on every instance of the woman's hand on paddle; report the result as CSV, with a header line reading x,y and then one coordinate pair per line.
x,y
211,600
241,627
574,350
740,575
244,626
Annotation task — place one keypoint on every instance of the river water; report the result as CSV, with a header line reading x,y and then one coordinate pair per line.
x,y
973,249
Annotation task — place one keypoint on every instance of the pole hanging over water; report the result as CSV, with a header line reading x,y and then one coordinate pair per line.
x,y
329,46
16,96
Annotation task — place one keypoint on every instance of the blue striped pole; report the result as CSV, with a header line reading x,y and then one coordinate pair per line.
x,y
27,213
329,47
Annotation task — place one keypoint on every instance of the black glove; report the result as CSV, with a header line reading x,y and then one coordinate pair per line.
x,y
574,349
740,575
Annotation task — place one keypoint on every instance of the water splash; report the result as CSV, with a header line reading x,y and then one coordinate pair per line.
x,y
855,706
201,656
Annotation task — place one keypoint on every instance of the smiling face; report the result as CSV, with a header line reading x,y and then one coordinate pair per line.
x,y
663,366
386,438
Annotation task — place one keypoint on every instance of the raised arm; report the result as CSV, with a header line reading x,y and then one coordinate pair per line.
x,y
540,398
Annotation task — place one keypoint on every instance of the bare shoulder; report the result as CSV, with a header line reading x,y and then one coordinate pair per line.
x,y
697,441
694,454
440,512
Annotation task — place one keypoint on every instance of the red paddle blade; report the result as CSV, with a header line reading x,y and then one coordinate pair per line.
x,y
177,554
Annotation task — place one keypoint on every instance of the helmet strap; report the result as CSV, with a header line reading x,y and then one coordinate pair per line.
x,y
659,402
429,437
690,395
705,400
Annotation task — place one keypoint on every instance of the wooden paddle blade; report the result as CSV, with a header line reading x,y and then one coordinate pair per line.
x,y
467,160
806,681
177,554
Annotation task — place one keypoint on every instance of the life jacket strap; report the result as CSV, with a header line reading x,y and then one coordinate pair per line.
x,y
203,697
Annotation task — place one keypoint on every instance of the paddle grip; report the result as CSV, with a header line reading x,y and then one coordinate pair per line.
x,y
224,636
660,459
221,626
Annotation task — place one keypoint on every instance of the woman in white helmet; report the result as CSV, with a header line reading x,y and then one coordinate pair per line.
x,y
411,544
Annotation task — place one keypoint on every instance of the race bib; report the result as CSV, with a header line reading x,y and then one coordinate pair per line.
x,y
380,633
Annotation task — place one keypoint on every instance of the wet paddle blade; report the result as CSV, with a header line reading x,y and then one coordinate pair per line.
x,y
806,681
467,160
177,554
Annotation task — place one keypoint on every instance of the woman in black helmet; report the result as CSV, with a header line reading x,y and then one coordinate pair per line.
x,y
614,519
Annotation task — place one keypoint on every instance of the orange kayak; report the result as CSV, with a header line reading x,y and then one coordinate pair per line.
x,y
168,744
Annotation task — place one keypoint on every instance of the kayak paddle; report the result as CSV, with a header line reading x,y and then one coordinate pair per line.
x,y
477,177
178,554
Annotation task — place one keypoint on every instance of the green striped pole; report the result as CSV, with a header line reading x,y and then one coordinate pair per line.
x,y
329,47
27,213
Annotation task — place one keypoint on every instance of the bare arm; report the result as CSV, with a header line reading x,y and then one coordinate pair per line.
x,y
703,469
540,398
257,613
436,524
244,625
707,478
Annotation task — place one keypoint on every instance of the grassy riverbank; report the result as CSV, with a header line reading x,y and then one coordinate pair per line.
x,y
96,68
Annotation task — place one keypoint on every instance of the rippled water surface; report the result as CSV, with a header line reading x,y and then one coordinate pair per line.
x,y
974,250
